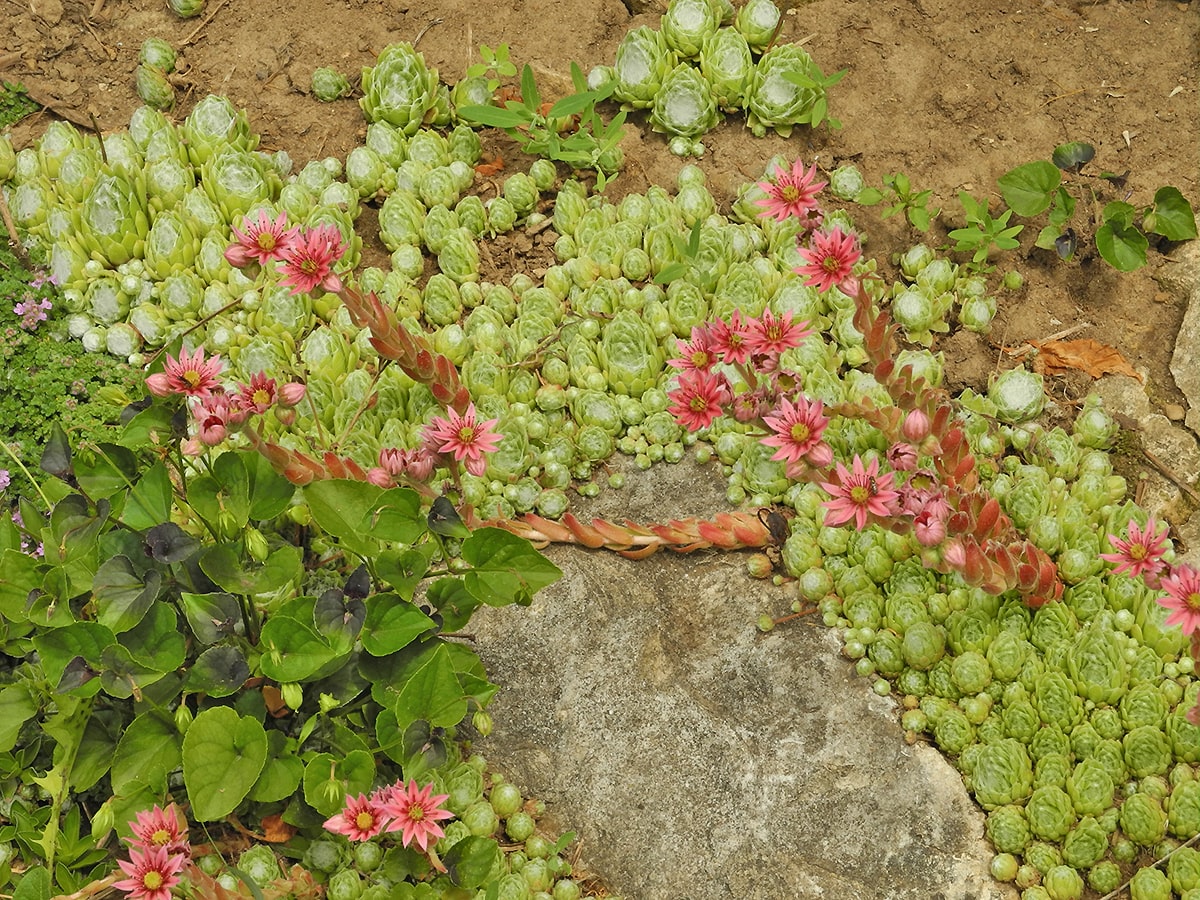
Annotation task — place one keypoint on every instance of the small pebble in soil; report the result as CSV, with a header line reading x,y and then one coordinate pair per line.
x,y
1174,412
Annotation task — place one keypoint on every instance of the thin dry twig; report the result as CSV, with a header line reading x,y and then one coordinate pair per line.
x,y
421,33
97,6
13,240
1170,476
191,37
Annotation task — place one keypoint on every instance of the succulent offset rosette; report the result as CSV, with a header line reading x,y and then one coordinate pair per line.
x,y
400,89
684,105
775,101
642,62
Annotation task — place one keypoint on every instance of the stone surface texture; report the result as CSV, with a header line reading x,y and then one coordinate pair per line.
x,y
699,759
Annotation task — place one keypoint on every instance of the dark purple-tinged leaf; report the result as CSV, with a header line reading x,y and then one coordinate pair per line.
x,y
444,519
218,672
56,455
76,674
168,543
212,616
1073,156
122,595
358,585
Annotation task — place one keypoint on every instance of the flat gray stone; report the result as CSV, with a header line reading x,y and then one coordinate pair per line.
x,y
1181,275
698,758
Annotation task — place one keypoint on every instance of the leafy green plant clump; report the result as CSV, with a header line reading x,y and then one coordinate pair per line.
x,y
15,104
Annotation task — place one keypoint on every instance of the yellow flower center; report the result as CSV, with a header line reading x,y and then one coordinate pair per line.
x,y
364,820
416,813
262,397
266,241
831,264
309,267
192,377
700,359
152,880
161,837
859,494
466,435
698,404
790,193
800,432
1137,551
1193,601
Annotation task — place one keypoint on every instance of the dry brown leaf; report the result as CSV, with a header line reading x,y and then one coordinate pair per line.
x,y
1086,355
277,831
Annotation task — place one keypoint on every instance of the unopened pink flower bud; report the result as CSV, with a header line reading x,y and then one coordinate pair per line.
x,y
192,447
380,478
286,417
902,457
476,466
916,426
159,385
420,464
291,394
819,456
955,555
929,529
392,460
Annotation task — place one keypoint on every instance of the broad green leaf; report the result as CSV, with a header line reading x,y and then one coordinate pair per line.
x,y
291,650
529,91
96,751
282,773
60,645
390,736
328,780
21,576
226,489
1028,189
470,861
218,672
403,569
122,595
212,616
225,565
432,693
392,623
270,492
56,455
17,706
572,104
492,116
150,427
450,597
1122,246
107,470
360,515
147,753
505,568
223,755
35,885
149,502
156,641
1171,216
123,676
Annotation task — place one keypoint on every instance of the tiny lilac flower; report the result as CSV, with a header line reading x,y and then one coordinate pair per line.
x,y
792,193
5,479
829,261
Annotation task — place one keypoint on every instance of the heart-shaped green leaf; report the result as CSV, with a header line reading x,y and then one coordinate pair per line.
x,y
505,568
291,650
149,501
392,623
218,672
328,780
122,595
432,692
223,755
147,753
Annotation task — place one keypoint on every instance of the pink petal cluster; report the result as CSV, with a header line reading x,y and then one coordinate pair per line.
x,y
191,375
829,260
1140,554
309,260
697,354
158,851
698,399
861,494
413,811
793,193
1182,587
464,437
731,340
262,240
770,336
798,427
416,464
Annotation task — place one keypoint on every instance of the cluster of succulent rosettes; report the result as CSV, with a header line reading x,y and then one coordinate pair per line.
x,y
706,60
216,411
